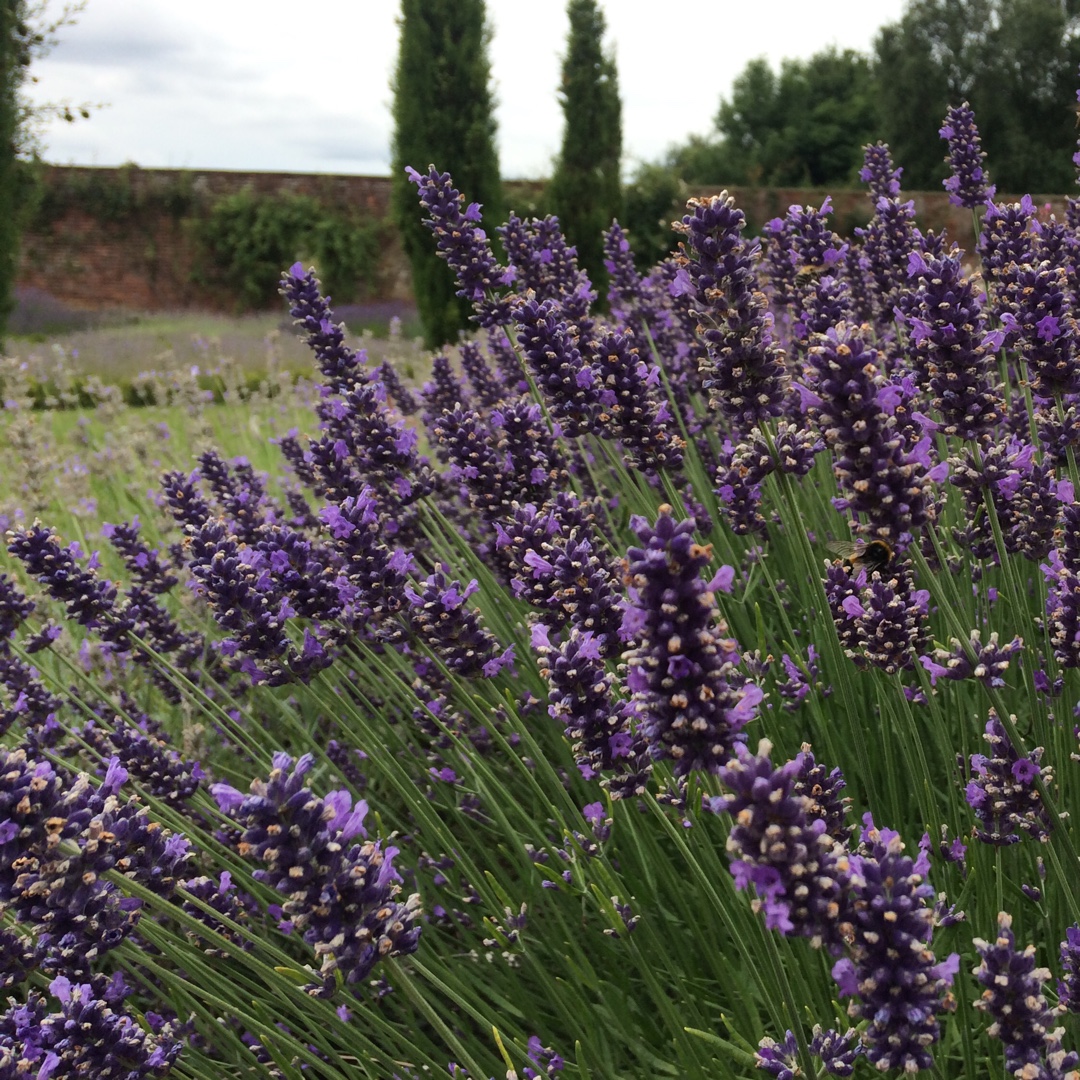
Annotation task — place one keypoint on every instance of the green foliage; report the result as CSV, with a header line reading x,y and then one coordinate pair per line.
x,y
247,239
1015,61
585,189
25,35
805,125
443,115
652,200
116,197
84,392
11,76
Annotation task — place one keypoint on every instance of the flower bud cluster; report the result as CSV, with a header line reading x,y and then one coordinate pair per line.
x,y
746,374
688,696
342,894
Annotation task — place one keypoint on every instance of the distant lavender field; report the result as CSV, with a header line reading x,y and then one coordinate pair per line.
x,y
117,345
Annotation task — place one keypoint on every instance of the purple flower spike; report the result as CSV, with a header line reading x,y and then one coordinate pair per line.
x,y
625,294
990,664
581,698
62,835
1069,985
889,237
142,562
690,698
340,365
1020,1015
402,397
342,895
776,844
746,374
879,467
88,1035
1038,314
453,631
822,787
633,410
567,380
541,261
463,244
14,607
896,983
544,1058
837,1052
87,599
967,185
1002,791
951,346
779,1059
878,172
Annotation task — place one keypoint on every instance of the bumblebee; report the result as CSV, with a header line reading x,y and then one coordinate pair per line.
x,y
870,555
805,275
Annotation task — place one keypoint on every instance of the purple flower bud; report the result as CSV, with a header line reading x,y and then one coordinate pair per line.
x,y
341,367
1068,986
463,244
798,870
896,983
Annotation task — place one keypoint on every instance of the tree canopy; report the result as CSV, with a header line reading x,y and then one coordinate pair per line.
x,y
1014,61
805,125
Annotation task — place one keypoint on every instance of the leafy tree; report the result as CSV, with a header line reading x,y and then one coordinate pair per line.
x,y
585,188
652,200
1015,61
804,125
11,74
26,34
443,115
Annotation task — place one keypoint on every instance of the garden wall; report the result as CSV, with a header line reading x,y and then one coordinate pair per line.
x,y
123,238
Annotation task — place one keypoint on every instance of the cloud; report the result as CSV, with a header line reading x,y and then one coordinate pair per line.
x,y
255,84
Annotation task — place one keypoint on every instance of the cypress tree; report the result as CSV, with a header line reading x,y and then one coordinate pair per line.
x,y
443,116
585,189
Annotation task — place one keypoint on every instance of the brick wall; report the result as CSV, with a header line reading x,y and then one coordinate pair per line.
x,y
143,261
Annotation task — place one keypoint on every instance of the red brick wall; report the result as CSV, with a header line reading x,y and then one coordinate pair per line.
x,y
144,262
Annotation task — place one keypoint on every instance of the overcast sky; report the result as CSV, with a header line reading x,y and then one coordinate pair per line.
x,y
290,87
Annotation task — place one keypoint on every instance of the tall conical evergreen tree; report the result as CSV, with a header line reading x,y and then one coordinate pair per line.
x,y
443,116
585,189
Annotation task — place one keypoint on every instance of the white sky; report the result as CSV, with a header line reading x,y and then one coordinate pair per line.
x,y
304,87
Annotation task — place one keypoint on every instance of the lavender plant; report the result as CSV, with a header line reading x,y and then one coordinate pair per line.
x,y
415,739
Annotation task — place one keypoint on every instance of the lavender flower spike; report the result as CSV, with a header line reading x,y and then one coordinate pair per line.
x,y
967,185
747,376
780,847
892,976
1014,1000
688,694
463,244
1002,791
340,892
